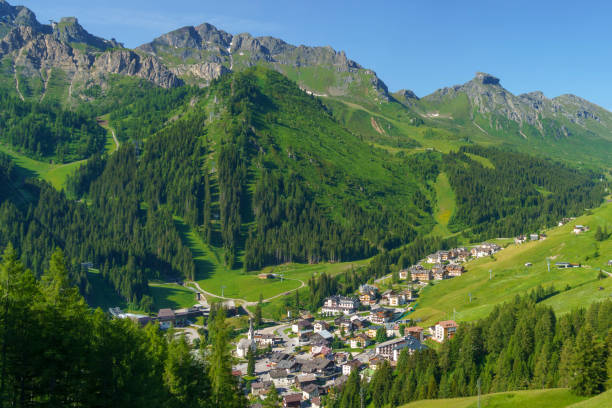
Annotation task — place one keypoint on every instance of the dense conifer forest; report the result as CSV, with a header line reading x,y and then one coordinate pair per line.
x,y
55,352
46,130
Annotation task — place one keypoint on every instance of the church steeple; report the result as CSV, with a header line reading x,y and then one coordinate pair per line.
x,y
251,334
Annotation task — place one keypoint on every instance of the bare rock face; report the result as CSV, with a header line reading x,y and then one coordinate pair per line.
x,y
206,71
126,62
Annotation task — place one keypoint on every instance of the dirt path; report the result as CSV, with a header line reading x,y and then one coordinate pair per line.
x,y
245,302
115,139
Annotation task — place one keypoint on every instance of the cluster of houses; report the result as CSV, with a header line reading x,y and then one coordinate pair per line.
x,y
446,264
521,239
330,349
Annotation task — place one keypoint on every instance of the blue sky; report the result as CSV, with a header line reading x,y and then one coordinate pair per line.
x,y
553,46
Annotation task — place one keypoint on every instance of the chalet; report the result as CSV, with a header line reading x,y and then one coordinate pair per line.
x,y
415,331
278,356
392,329
343,323
372,330
292,401
301,326
341,357
421,275
520,239
359,341
410,344
454,270
404,274
368,298
445,330
376,362
303,380
359,324
289,365
320,325
396,299
281,378
317,366
579,229
260,387
380,316
534,237
337,305
439,273
365,288
348,368
265,340
311,391
434,258
322,338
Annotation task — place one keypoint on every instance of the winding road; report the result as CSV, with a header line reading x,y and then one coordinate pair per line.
x,y
243,302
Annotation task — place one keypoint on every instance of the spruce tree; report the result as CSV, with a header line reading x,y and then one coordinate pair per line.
x,y
251,362
588,375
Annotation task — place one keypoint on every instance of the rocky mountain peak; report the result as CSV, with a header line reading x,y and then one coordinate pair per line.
x,y
486,79
68,30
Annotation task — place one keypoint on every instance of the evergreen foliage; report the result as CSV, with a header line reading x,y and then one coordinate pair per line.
x,y
45,130
56,352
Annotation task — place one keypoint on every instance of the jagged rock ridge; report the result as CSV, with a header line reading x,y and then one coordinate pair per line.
x,y
206,52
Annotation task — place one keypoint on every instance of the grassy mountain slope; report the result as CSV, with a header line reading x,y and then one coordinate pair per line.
x,y
550,398
577,287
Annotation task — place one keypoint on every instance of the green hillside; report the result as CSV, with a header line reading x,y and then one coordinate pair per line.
x,y
577,287
551,398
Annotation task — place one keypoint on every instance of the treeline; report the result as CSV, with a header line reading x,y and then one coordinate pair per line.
x,y
45,130
521,345
55,352
521,194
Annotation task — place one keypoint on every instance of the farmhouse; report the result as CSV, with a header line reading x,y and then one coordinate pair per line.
x,y
579,229
445,330
520,239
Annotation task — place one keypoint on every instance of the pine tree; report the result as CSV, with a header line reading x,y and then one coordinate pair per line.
x,y
273,400
224,387
251,362
588,375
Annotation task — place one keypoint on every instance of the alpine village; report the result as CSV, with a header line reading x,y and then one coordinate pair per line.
x,y
222,220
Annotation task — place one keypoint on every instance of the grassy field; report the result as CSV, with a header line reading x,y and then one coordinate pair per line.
x,y
601,400
211,274
445,207
551,398
165,295
510,277
53,173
